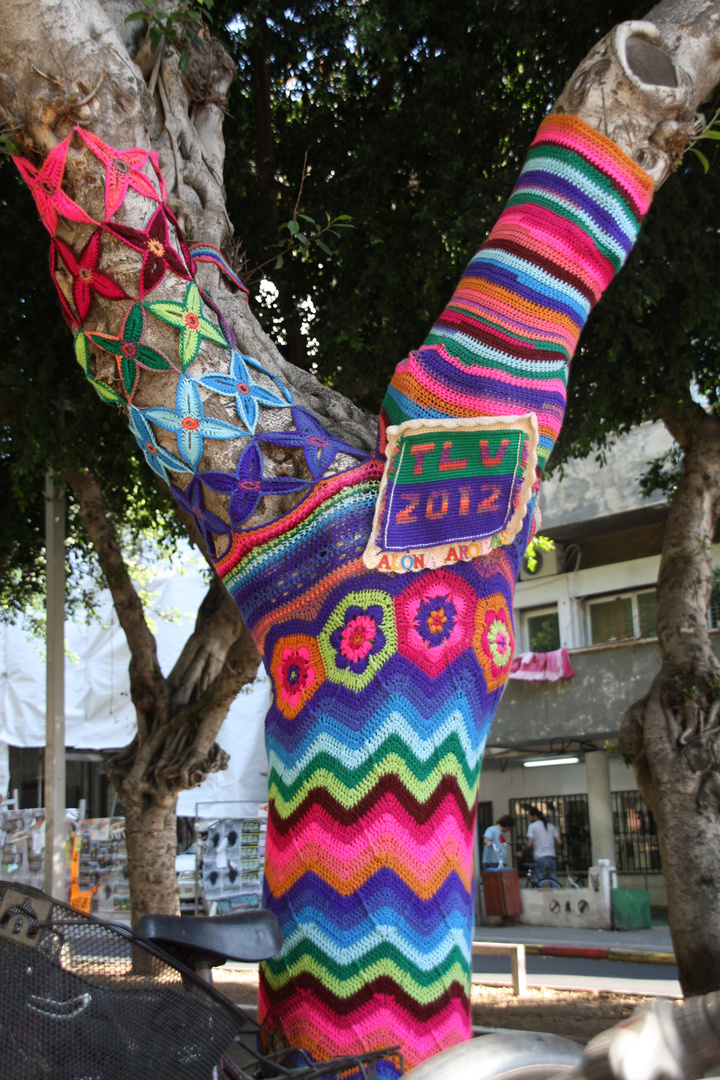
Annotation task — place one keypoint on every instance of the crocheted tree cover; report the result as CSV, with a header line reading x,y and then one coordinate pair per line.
x,y
384,681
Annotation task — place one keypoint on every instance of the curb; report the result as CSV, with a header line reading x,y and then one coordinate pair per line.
x,y
607,952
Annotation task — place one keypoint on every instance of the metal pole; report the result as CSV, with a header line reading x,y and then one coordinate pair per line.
x,y
55,689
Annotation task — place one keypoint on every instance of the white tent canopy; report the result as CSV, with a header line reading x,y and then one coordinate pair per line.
x,y
98,710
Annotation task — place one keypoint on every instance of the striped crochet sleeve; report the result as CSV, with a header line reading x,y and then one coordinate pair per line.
x,y
504,343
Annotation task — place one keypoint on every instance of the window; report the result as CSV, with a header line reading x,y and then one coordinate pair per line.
x,y
636,842
543,630
623,617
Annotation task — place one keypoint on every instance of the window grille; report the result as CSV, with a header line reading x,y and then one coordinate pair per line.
x,y
569,815
636,842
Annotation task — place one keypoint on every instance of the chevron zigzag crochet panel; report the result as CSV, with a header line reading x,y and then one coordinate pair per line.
x,y
384,684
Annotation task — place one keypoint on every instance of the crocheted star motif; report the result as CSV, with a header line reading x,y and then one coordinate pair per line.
x,y
45,185
158,458
154,245
494,641
82,356
87,279
129,351
209,524
318,445
247,485
358,638
297,670
189,319
188,422
123,170
248,395
435,620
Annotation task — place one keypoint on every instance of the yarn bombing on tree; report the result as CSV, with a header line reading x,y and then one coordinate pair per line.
x,y
387,665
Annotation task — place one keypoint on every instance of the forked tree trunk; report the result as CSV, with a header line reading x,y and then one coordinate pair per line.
x,y
673,733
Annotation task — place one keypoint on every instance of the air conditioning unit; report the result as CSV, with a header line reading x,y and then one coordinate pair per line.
x,y
548,563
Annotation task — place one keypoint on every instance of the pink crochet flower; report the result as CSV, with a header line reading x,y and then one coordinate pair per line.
x,y
357,638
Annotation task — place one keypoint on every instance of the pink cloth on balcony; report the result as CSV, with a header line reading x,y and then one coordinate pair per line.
x,y
542,667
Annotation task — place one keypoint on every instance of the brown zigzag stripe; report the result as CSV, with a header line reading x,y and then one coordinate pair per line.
x,y
496,340
306,981
421,812
556,269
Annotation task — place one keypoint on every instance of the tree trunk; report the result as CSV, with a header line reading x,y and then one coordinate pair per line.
x,y
178,716
673,733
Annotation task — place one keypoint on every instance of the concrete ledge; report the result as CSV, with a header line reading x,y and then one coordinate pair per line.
x,y
602,952
516,952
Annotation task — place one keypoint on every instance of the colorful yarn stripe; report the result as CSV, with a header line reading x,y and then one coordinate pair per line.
x,y
507,336
209,254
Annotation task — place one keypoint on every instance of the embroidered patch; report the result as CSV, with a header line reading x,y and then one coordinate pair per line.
x,y
452,490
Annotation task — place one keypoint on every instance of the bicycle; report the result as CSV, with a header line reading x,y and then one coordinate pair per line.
x,y
85,1000
81,999
536,880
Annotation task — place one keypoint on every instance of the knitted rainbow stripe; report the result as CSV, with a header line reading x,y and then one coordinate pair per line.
x,y
385,685
504,343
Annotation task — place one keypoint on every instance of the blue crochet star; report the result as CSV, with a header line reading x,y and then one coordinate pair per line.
x,y
247,485
318,445
189,423
239,385
158,458
191,499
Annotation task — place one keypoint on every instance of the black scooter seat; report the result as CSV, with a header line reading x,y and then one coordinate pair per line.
x,y
243,935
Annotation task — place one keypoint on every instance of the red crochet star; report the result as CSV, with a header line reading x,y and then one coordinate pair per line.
x,y
154,245
123,171
45,185
87,279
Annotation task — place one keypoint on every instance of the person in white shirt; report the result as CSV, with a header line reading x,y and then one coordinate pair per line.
x,y
544,842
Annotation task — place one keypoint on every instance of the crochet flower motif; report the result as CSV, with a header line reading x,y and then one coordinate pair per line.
x,y
297,670
318,445
209,524
188,422
82,356
154,245
158,458
87,279
129,351
435,620
45,185
248,395
123,170
494,641
190,321
358,638
247,485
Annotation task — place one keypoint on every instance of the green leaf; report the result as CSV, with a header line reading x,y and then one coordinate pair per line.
x,y
302,238
711,135
702,159
279,262
292,227
135,15
323,247
305,217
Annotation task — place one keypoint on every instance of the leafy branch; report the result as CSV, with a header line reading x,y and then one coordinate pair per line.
x,y
178,29
702,129
303,231
537,544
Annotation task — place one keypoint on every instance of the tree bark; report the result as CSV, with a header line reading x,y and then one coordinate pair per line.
x,y
673,733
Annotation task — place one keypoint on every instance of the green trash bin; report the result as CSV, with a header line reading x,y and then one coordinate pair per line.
x,y
631,909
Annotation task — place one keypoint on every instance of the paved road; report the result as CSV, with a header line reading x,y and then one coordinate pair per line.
x,y
563,973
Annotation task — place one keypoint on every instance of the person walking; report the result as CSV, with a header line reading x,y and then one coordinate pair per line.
x,y
494,853
543,843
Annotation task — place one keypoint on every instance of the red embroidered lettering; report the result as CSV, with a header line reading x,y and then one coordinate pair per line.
x,y
404,517
451,555
419,451
464,502
430,511
490,502
464,552
419,562
384,563
446,465
488,461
